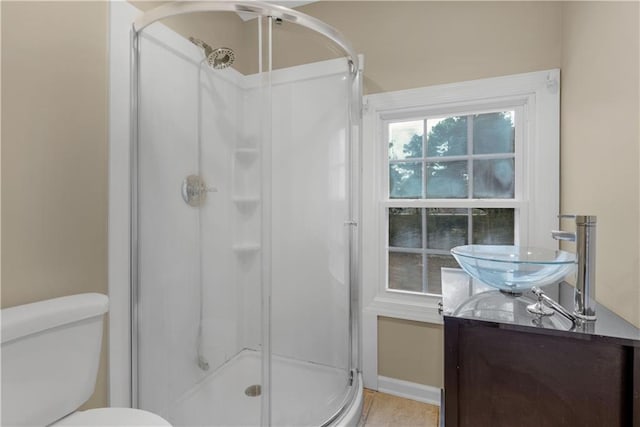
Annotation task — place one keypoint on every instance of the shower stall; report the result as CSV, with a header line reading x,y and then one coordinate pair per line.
x,y
245,130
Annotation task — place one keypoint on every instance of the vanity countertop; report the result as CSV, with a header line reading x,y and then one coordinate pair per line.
x,y
467,298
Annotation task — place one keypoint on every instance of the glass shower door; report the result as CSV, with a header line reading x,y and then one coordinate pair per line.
x,y
242,224
198,229
310,282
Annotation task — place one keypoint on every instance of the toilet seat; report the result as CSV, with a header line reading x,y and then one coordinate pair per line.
x,y
113,417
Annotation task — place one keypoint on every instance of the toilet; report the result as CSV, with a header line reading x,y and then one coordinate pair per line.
x,y
50,356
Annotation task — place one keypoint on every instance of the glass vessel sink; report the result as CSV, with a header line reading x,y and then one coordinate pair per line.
x,y
514,269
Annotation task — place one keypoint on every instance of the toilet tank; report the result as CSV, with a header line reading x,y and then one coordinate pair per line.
x,y
50,356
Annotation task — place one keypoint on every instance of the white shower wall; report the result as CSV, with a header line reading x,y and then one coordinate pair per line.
x,y
194,120
309,285
310,292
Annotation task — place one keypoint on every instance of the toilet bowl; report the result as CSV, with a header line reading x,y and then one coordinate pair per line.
x,y
50,357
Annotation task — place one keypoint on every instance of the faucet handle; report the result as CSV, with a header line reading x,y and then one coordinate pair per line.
x,y
580,219
538,308
564,235
567,216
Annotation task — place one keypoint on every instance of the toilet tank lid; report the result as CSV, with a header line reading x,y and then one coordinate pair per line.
x,y
22,320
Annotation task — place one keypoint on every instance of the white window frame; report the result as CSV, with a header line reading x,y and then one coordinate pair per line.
x,y
518,106
536,97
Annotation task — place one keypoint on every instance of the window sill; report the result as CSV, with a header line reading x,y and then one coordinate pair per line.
x,y
423,309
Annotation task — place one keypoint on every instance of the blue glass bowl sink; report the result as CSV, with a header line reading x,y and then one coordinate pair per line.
x,y
513,268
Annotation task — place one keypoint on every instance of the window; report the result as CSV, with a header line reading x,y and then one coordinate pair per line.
x,y
465,163
469,158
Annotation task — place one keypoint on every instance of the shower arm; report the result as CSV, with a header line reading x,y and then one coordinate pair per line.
x,y
208,50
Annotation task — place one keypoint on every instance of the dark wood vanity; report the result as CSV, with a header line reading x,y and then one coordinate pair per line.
x,y
497,375
505,374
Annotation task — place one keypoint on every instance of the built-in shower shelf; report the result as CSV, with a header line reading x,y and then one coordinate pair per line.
x,y
246,248
246,154
246,200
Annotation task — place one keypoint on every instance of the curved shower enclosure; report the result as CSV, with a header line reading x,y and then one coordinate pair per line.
x,y
245,127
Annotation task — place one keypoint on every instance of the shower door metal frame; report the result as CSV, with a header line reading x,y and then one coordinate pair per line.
x,y
134,220
260,9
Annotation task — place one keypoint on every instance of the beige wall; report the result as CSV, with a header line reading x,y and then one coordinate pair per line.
x,y
421,357
414,44
54,153
600,140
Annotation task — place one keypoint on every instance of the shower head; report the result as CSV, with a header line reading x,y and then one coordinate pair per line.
x,y
219,58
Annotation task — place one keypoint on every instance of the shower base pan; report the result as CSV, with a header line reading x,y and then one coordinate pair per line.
x,y
303,394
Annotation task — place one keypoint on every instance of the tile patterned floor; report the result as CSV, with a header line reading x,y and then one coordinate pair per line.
x,y
380,409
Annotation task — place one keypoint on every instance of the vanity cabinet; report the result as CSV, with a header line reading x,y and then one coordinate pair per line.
x,y
506,375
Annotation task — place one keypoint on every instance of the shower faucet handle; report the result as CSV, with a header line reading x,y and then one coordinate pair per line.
x,y
194,190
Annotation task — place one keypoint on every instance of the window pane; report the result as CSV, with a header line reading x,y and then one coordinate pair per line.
x,y
434,275
405,140
405,227
447,180
405,271
493,179
446,228
493,226
447,137
405,180
493,133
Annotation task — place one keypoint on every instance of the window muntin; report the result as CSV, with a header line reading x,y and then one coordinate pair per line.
x,y
481,146
468,158
420,240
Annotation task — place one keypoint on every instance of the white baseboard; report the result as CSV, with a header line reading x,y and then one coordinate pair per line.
x,y
409,390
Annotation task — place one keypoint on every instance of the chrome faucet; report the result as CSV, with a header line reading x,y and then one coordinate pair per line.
x,y
540,308
585,239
